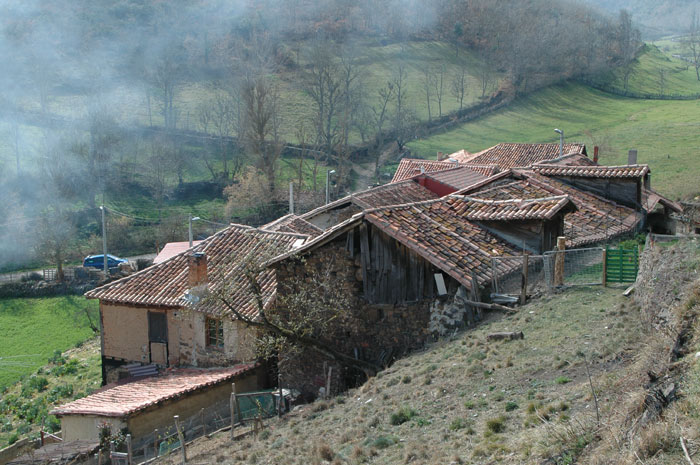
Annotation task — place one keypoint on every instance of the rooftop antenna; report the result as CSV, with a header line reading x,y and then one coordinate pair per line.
x,y
561,142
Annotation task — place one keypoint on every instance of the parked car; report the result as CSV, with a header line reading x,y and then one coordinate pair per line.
x,y
97,261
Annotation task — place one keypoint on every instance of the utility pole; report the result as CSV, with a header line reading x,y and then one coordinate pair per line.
x,y
291,198
104,242
190,228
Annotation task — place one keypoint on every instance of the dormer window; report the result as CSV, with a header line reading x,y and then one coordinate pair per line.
x,y
214,333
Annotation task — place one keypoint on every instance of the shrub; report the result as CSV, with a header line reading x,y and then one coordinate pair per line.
x,y
457,424
406,379
562,380
402,416
496,425
510,406
382,442
14,437
38,382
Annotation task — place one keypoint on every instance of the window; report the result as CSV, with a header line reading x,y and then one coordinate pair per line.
x,y
215,333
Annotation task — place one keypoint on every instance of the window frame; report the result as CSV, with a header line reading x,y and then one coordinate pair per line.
x,y
215,339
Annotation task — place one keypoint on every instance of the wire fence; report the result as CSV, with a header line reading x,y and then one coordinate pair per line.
x,y
538,274
249,408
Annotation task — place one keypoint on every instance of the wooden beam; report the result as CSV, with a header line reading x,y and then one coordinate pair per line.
x,y
559,261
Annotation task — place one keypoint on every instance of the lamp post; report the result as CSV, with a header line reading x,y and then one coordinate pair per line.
x,y
561,142
328,184
104,242
190,228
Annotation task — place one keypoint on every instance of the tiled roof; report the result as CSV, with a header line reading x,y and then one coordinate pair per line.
x,y
651,198
438,231
389,194
596,219
572,159
171,249
477,209
293,224
165,284
626,171
125,398
521,155
393,194
410,167
457,178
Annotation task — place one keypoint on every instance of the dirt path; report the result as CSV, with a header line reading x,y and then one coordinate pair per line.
x,y
365,172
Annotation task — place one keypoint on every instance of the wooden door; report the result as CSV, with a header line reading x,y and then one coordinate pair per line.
x,y
158,338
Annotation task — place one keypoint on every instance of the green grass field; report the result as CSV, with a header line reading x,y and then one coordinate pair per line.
x,y
32,329
679,76
666,133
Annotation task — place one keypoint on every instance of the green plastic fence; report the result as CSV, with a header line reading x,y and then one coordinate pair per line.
x,y
249,406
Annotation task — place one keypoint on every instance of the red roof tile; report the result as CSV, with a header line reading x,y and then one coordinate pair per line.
x,y
410,167
457,178
438,231
521,155
293,224
171,249
477,209
626,171
165,284
133,395
596,219
651,198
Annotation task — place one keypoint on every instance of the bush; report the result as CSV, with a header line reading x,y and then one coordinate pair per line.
x,y
496,425
562,380
402,416
457,424
39,383
510,406
14,437
382,442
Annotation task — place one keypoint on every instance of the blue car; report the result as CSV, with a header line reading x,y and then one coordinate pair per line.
x,y
97,261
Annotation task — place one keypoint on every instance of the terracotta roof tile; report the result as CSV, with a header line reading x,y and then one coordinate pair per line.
x,y
135,394
626,171
412,167
507,155
293,224
595,220
165,284
171,249
439,232
477,209
457,178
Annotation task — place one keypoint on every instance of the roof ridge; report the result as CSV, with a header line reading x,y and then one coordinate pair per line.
x,y
509,201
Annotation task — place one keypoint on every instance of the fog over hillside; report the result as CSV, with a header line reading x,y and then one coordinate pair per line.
x,y
657,18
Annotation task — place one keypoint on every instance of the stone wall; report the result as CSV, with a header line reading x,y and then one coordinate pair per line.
x,y
369,331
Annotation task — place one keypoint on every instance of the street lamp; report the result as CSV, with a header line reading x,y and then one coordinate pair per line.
x,y
561,142
328,184
104,242
191,220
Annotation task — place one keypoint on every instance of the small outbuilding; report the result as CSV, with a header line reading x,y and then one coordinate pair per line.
x,y
141,405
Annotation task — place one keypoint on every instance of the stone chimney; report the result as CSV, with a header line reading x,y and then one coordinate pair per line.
x,y
595,154
632,157
197,272
440,156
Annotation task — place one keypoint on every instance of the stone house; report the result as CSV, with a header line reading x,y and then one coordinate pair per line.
x,y
147,317
408,270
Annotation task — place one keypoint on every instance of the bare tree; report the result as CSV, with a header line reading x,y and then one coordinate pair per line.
x,y
304,315
55,237
662,81
459,85
380,115
402,114
260,104
691,43
628,41
439,84
428,86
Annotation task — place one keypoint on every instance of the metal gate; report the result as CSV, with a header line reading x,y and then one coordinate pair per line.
x,y
621,265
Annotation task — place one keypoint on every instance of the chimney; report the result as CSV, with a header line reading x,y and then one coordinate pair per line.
x,y
595,154
632,157
197,272
440,155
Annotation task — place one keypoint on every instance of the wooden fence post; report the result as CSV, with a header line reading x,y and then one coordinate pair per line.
x,y
328,382
129,451
99,457
181,437
281,399
523,290
201,419
233,410
605,267
155,443
559,261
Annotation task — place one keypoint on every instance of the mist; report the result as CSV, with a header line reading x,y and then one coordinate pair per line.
x,y
145,106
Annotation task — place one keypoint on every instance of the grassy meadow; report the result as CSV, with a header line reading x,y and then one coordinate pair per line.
x,y
665,133
31,330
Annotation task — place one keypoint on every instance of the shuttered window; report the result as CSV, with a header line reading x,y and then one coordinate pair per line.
x,y
215,332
